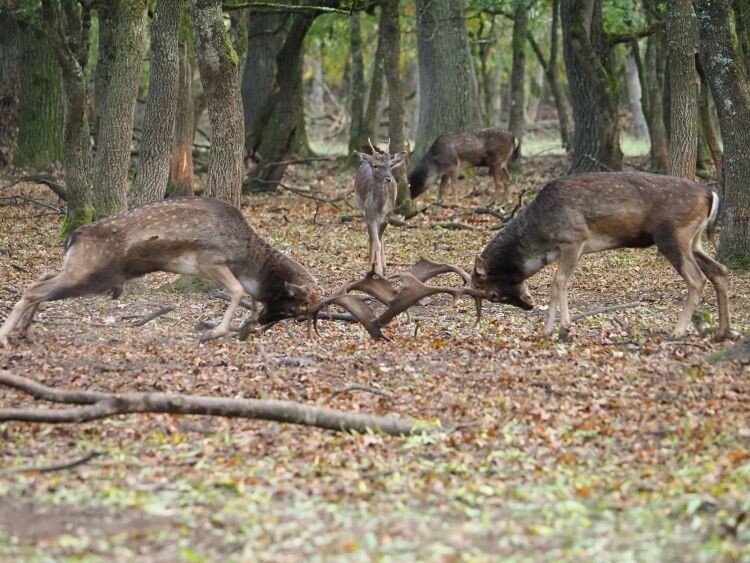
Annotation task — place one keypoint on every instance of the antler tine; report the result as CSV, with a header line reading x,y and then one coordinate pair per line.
x,y
373,149
388,146
359,309
426,269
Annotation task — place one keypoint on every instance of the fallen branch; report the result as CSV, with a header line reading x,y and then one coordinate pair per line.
x,y
593,312
454,226
49,182
98,405
362,388
151,316
51,468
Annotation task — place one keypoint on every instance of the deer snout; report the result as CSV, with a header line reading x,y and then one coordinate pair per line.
x,y
388,179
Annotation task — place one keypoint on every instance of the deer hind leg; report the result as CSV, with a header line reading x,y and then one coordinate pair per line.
x,y
497,170
444,183
569,255
222,275
717,275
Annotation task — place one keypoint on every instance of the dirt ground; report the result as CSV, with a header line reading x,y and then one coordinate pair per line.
x,y
619,444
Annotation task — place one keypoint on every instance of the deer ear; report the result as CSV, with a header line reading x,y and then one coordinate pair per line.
x,y
364,157
397,159
480,266
297,291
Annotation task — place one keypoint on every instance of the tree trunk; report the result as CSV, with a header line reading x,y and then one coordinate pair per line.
x,y
596,144
159,121
654,106
516,121
369,125
683,119
40,131
706,118
536,91
181,159
266,34
640,128
449,96
70,49
730,88
10,71
316,80
356,83
390,32
219,71
741,10
122,23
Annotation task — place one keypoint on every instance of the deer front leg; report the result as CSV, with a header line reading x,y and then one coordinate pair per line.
x,y
381,231
569,255
375,248
223,276
444,182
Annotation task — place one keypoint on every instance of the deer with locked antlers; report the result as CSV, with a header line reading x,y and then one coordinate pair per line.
x,y
203,237
592,212
493,147
375,195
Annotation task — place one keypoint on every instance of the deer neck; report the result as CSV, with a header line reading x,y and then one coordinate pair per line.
x,y
264,272
516,254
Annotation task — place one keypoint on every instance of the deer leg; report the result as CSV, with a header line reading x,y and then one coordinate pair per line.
x,y
454,186
569,255
222,275
444,182
717,274
381,230
375,248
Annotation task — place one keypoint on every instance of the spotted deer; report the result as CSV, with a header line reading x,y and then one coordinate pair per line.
x,y
203,237
494,147
593,212
375,195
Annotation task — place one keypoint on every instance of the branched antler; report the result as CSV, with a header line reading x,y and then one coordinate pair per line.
x,y
398,293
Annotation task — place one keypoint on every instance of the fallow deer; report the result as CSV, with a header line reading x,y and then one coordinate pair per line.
x,y
592,212
203,237
375,195
494,147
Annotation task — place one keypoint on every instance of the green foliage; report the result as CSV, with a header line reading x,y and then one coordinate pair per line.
x,y
622,16
28,12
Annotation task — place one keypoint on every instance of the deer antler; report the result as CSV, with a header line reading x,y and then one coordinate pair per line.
x,y
373,149
412,289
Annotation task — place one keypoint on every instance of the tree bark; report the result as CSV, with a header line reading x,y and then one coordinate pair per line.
x,y
181,159
356,83
368,128
517,121
122,25
596,144
70,45
741,10
654,108
10,71
449,95
159,122
683,82
635,94
706,118
40,129
219,70
730,88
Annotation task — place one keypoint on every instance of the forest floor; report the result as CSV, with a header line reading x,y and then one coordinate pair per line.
x,y
617,445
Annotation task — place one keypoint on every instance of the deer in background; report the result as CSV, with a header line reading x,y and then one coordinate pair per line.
x,y
208,238
375,195
592,212
494,147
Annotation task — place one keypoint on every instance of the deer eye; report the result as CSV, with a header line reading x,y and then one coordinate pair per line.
x,y
376,166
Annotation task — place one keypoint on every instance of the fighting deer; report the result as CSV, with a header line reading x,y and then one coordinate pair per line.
x,y
493,147
203,237
592,212
375,194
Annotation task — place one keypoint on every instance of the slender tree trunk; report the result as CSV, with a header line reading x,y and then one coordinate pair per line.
x,y
40,132
657,132
741,10
70,48
640,128
449,95
706,118
219,70
10,71
369,125
536,91
730,88
517,121
596,145
159,121
181,159
683,82
356,83
125,25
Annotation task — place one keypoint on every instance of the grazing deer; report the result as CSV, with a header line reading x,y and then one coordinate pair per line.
x,y
375,194
592,212
493,147
203,237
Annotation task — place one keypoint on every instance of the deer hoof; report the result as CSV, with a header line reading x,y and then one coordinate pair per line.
x,y
564,335
728,334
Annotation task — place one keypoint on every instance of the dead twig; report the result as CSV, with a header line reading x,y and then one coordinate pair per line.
x,y
363,389
51,468
36,202
151,316
600,310
49,182
224,296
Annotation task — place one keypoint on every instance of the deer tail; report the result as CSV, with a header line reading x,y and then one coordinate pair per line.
x,y
713,215
516,149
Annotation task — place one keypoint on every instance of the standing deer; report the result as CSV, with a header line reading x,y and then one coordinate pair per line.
x,y
375,194
203,237
493,147
592,212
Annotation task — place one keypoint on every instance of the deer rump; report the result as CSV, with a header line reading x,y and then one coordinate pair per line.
x,y
397,299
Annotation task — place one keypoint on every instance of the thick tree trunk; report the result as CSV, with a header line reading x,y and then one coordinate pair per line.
x,y
683,83
730,88
219,70
596,144
125,22
706,118
390,31
181,159
10,71
70,49
654,108
40,130
633,82
517,121
159,121
449,96
356,83
266,34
